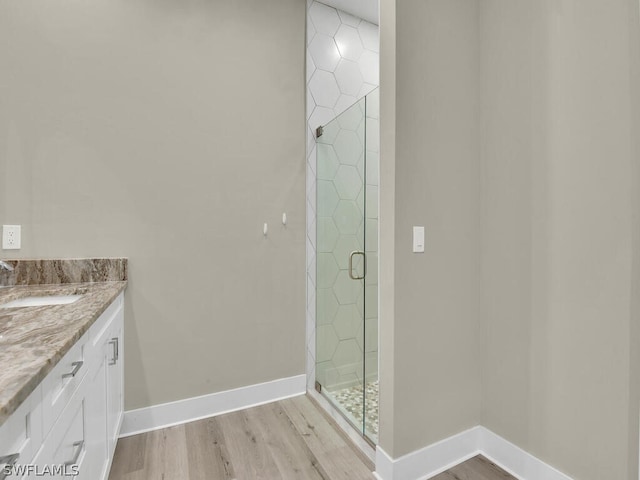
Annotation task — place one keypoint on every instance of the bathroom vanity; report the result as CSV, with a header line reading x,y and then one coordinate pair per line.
x,y
61,379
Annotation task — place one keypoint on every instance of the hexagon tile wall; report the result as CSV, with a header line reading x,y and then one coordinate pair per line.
x,y
342,67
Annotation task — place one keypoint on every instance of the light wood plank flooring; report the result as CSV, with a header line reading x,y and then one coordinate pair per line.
x,y
292,439
478,468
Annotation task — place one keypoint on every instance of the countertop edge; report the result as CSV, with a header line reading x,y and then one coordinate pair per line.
x,y
37,377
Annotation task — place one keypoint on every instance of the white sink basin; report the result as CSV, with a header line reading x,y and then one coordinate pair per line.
x,y
41,301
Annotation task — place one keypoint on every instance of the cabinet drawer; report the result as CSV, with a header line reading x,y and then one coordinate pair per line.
x,y
21,434
61,383
66,441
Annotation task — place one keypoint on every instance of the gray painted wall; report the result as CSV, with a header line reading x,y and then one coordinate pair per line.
x,y
553,281
167,132
559,219
386,227
430,319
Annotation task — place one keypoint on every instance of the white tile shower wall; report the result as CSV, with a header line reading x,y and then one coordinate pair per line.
x,y
342,67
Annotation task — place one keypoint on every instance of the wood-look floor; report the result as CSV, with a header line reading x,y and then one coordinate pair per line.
x,y
291,439
478,468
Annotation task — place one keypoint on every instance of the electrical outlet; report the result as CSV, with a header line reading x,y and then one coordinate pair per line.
x,y
11,237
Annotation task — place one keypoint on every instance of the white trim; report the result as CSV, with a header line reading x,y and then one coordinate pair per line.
x,y
515,460
431,460
384,465
434,459
196,408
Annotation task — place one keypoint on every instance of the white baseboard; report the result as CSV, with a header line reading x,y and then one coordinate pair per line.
x,y
196,408
435,459
515,460
429,461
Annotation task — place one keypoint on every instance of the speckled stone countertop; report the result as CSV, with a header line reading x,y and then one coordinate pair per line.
x,y
34,339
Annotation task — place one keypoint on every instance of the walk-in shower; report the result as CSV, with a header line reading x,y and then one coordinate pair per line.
x,y
347,263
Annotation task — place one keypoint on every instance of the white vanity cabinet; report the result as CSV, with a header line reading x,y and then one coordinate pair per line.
x,y
72,419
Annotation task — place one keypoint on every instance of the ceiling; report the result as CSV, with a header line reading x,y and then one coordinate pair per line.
x,y
367,9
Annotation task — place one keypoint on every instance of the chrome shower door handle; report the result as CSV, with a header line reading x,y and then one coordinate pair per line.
x,y
364,265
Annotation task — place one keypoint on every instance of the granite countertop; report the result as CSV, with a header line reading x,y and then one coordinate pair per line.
x,y
34,339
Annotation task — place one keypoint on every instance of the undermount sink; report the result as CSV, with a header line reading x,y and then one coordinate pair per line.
x,y
41,301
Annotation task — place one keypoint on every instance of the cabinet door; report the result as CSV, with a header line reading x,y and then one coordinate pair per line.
x,y
115,382
97,457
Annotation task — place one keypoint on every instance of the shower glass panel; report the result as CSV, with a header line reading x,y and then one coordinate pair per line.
x,y
372,162
347,232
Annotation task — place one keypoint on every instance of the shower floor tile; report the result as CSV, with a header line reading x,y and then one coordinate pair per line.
x,y
349,401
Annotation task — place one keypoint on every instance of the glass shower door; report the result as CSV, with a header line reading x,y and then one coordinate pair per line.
x,y
370,332
342,264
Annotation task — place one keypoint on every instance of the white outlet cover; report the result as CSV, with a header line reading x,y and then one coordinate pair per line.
x,y
11,237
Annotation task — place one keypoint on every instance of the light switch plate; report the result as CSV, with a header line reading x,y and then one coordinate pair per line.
x,y
11,237
418,239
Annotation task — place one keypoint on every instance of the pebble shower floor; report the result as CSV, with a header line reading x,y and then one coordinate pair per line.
x,y
349,400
